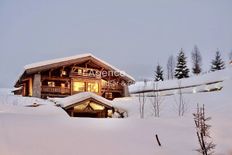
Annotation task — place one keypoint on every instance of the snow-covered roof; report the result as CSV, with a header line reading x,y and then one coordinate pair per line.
x,y
18,88
70,100
65,59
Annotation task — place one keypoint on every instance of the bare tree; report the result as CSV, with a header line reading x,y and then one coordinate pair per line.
x,y
170,67
142,100
181,100
206,145
181,103
156,100
196,60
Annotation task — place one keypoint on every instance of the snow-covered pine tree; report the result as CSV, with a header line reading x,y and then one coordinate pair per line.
x,y
159,73
196,60
217,63
181,70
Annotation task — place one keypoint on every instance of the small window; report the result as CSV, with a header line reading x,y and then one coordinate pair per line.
x,y
51,83
104,83
108,95
110,113
79,71
64,73
62,85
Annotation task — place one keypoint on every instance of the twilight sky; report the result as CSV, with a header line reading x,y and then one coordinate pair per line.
x,y
133,35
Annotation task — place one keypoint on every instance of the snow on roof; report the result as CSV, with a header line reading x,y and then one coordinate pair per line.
x,y
18,88
49,62
67,101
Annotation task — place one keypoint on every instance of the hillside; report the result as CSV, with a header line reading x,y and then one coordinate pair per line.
x,y
47,129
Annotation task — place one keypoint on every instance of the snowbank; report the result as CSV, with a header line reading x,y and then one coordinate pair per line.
x,y
47,129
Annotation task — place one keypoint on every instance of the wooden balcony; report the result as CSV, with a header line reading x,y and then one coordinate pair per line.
x,y
112,88
56,90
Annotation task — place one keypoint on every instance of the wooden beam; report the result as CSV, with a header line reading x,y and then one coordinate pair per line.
x,y
86,64
50,72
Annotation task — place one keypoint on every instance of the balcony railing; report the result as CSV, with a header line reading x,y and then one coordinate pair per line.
x,y
112,87
57,90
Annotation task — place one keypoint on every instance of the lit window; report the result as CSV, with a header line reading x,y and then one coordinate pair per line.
x,y
96,106
93,87
62,85
64,73
104,83
78,86
79,71
51,84
108,95
109,113
81,107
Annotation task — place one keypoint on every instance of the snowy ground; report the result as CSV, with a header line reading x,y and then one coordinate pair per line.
x,y
47,129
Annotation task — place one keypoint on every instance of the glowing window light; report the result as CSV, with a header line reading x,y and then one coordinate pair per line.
x,y
104,82
96,106
78,86
51,84
64,72
81,106
79,71
109,113
93,87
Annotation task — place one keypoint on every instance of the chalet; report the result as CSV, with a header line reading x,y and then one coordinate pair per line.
x,y
71,75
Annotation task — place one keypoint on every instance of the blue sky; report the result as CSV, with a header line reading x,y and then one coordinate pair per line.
x,y
133,35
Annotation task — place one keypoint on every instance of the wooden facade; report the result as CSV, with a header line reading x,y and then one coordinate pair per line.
x,y
90,108
71,76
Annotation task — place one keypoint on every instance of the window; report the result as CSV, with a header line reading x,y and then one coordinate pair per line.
x,y
110,113
64,72
78,86
81,107
93,87
96,106
92,105
79,71
62,85
108,95
51,84
104,83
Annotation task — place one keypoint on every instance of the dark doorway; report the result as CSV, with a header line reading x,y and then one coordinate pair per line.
x,y
85,114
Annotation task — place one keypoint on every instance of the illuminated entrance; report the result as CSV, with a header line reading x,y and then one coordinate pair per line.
x,y
89,108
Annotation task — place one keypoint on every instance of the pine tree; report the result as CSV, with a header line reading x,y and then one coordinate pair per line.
x,y
217,63
181,70
159,73
197,60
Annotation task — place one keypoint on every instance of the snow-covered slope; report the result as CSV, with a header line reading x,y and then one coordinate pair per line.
x,y
201,80
47,129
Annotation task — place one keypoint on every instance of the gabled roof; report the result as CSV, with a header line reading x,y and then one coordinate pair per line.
x,y
70,100
43,65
